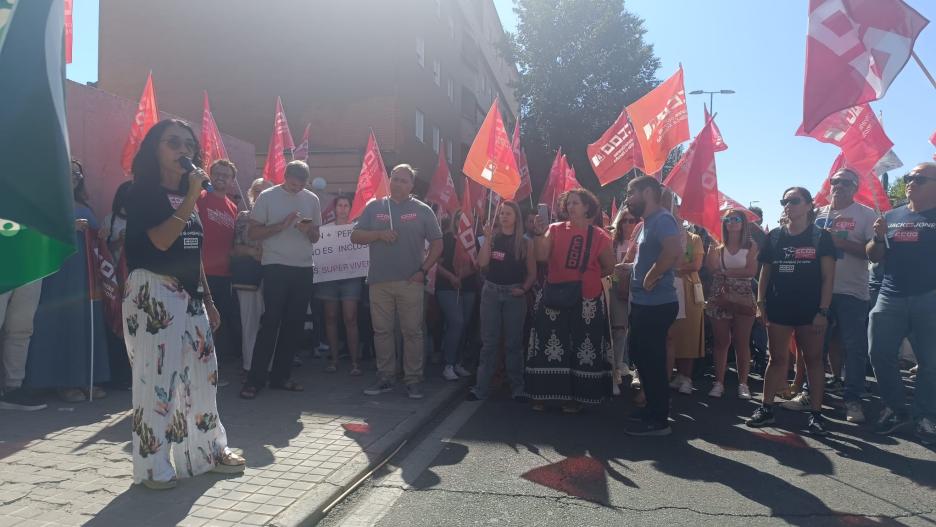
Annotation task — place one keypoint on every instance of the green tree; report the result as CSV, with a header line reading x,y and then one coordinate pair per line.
x,y
580,63
897,193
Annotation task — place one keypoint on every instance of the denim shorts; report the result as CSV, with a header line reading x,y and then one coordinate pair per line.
x,y
348,289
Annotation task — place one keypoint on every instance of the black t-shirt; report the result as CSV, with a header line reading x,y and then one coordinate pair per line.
x,y
795,269
469,283
147,207
912,238
504,267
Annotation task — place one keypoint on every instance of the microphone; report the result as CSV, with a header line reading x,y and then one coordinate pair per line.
x,y
189,167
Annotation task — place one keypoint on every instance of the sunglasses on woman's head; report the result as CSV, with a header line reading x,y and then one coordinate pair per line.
x,y
732,219
790,201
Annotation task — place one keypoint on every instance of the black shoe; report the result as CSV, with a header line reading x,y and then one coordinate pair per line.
x,y
19,399
649,428
638,416
471,397
890,421
762,416
834,386
817,425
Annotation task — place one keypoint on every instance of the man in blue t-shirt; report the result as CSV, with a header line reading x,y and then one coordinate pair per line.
x,y
905,240
654,304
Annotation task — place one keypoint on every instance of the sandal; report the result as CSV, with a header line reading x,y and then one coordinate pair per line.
x,y
249,392
153,484
289,386
355,372
230,463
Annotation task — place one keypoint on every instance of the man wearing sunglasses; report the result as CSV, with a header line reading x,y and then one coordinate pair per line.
x,y
905,240
852,227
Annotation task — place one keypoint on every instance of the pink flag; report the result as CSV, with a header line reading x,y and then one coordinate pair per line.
x,y
854,50
858,133
302,151
147,115
372,183
526,186
274,169
616,152
211,145
441,188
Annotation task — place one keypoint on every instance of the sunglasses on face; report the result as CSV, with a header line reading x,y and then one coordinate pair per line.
x,y
791,201
919,180
732,219
176,144
840,181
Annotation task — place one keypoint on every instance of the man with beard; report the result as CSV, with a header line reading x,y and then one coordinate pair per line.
x,y
654,304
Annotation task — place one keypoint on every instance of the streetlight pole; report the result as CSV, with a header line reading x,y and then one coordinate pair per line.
x,y
711,95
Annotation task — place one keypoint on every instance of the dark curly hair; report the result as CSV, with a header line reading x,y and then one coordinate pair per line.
x,y
588,199
146,163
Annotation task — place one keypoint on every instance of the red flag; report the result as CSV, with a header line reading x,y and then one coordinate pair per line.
x,y
211,145
694,180
274,168
477,196
725,202
661,121
372,183
490,160
104,279
147,115
441,188
569,181
616,152
69,30
870,190
302,151
549,194
858,133
717,139
466,248
854,50
526,186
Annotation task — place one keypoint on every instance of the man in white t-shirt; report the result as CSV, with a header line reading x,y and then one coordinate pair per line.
x,y
852,226
286,219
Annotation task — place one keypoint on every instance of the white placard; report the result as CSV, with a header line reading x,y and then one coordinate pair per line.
x,y
336,258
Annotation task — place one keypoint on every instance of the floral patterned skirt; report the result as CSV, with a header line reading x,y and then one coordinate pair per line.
x,y
569,353
175,377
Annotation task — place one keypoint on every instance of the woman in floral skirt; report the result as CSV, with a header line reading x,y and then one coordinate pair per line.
x,y
169,317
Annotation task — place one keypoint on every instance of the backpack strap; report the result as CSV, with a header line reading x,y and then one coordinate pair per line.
x,y
588,244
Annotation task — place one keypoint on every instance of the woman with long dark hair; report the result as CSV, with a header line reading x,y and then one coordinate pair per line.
x,y
569,355
794,294
508,262
169,317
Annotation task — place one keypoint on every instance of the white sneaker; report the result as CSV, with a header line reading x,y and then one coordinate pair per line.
x,y
677,382
615,390
686,387
853,412
461,371
800,403
718,389
744,392
448,373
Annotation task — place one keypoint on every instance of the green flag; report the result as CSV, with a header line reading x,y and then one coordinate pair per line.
x,y
37,229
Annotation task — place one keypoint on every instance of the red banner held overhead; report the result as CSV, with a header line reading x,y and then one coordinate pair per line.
x,y
858,133
616,152
490,160
442,188
211,145
274,168
695,181
854,50
870,190
147,115
372,183
302,151
661,121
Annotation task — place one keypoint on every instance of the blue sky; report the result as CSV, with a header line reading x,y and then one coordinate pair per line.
x,y
755,47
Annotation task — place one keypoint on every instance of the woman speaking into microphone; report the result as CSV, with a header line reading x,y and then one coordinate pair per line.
x,y
169,316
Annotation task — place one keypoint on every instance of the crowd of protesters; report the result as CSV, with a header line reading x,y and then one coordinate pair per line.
x,y
571,312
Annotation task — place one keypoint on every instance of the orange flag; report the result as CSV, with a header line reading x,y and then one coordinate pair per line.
x,y
147,115
274,169
211,145
491,161
372,183
661,121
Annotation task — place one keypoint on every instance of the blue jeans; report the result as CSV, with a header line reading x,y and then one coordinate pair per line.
x,y
457,309
850,316
501,314
892,320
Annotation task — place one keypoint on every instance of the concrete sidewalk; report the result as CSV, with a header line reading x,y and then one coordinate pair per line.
x,y
70,464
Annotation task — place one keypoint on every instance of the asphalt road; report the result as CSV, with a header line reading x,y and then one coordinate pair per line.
x,y
499,463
